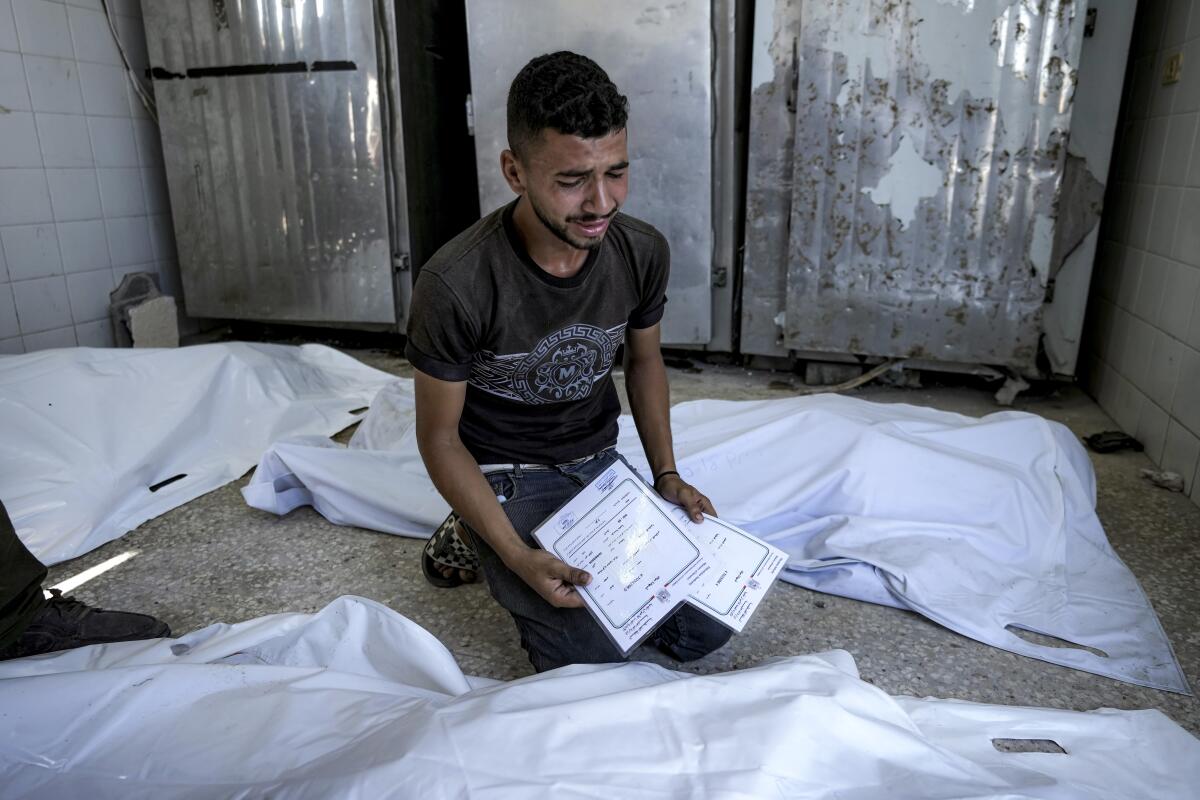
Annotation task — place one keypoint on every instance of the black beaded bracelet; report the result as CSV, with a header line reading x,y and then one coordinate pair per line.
x,y
662,475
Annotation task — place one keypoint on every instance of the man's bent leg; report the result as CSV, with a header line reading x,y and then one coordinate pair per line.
x,y
553,637
21,577
690,634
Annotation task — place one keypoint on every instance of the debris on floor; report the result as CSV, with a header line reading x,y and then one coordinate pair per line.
x,y
1112,441
1164,479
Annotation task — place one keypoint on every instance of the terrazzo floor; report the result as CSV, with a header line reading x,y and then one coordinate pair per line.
x,y
216,559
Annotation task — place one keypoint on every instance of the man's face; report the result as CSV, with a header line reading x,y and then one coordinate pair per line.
x,y
575,185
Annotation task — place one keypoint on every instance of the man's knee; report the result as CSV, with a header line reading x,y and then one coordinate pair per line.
x,y
691,634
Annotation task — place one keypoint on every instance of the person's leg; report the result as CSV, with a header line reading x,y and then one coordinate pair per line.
x,y
21,577
552,637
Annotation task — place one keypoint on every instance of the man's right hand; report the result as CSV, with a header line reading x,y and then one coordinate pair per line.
x,y
554,580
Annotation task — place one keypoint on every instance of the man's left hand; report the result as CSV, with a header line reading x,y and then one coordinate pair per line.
x,y
688,497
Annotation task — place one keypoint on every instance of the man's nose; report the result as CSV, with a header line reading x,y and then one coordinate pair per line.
x,y
599,200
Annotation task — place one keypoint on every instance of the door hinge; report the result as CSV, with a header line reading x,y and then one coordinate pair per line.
x,y
1089,25
720,277
401,262
470,106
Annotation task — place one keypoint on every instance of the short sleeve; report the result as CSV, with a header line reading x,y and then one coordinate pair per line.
x,y
442,336
653,299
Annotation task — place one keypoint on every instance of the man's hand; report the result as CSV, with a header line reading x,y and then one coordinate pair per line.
x,y
688,497
550,577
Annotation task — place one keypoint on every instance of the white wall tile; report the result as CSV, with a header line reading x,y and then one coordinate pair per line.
x,y
31,251
18,136
1153,142
24,197
162,238
129,242
128,8
88,292
53,84
9,326
42,28
1128,406
1152,431
73,193
14,93
1163,100
3,267
64,140
149,144
95,334
1193,335
1181,452
1130,267
1175,29
133,39
1187,96
48,340
12,347
154,184
1161,238
95,5
1179,298
121,192
136,108
92,38
1138,351
104,91
112,141
1187,235
1162,376
1143,211
1186,406
1150,287
1177,152
8,27
42,304
84,245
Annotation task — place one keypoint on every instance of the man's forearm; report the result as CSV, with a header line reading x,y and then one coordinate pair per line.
x,y
650,402
458,479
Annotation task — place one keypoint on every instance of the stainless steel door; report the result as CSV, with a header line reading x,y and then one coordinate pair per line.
x,y
660,56
275,157
906,166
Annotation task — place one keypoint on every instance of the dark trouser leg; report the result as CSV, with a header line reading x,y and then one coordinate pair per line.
x,y
554,637
21,577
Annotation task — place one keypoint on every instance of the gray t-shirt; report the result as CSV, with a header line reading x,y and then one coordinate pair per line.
x,y
535,350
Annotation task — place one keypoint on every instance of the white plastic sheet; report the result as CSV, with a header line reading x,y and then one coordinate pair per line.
x,y
976,523
358,702
85,433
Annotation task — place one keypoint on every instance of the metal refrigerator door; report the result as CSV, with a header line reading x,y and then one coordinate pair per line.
x,y
277,181
928,146
660,56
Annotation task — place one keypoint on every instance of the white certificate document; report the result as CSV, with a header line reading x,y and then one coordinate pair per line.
x,y
643,565
646,558
742,568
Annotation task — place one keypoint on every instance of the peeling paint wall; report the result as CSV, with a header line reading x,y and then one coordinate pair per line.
x,y
917,209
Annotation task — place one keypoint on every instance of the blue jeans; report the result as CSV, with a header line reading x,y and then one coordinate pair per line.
x,y
554,637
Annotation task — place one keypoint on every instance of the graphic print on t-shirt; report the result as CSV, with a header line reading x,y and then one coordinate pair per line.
x,y
563,366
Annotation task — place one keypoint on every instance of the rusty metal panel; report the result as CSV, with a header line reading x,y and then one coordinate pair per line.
x,y
660,56
275,158
928,151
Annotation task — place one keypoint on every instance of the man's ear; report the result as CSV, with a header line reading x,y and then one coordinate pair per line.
x,y
510,166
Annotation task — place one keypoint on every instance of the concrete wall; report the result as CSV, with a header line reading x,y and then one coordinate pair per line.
x,y
1142,338
83,197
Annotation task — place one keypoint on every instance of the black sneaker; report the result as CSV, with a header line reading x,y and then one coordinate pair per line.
x,y
65,623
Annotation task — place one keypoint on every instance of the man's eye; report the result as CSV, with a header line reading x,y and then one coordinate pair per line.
x,y
571,184
617,175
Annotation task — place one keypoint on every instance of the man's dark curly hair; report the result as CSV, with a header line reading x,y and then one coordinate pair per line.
x,y
567,92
